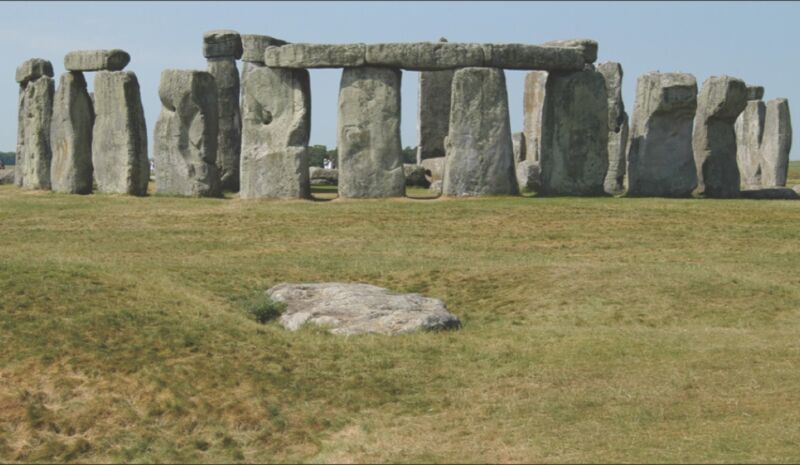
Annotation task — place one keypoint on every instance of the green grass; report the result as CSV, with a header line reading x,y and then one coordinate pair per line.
x,y
594,329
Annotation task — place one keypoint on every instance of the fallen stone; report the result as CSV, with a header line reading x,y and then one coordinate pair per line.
x,y
776,143
33,155
276,114
71,136
433,118
229,138
660,160
96,60
254,46
33,69
617,127
350,309
222,43
316,56
185,146
518,145
323,176
480,156
749,128
771,193
119,135
721,101
533,103
588,47
434,166
415,175
368,134
574,146
529,176
755,92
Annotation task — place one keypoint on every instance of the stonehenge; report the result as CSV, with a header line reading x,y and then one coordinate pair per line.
x,y
36,91
71,136
776,143
749,128
97,60
617,127
433,115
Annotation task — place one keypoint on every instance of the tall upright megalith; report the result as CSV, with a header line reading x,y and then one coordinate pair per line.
x,y
222,48
434,112
119,135
533,104
660,160
480,155
185,136
36,89
776,143
749,128
276,126
617,127
71,136
574,146
721,100
368,133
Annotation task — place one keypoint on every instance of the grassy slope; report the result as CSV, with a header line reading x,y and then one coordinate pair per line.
x,y
594,330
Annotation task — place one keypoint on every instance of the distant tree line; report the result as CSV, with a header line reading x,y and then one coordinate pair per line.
x,y
317,154
7,158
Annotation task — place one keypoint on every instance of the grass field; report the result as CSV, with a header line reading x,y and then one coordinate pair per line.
x,y
594,329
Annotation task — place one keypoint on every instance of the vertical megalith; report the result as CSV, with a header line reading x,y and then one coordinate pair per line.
x,y
617,127
720,102
36,89
221,49
276,125
71,136
574,146
368,133
776,143
749,128
434,112
533,103
119,135
185,145
518,146
480,155
660,161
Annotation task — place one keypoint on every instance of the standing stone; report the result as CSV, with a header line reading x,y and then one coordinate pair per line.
x,y
277,125
222,48
660,160
253,48
185,146
119,135
32,166
533,103
721,101
480,156
518,144
749,128
574,146
434,112
368,134
776,143
617,127
71,136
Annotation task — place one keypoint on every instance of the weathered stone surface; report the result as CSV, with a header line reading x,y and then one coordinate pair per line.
x,y
71,136
415,175
247,66
777,193
229,139
222,43
97,60
316,56
254,46
276,114
424,55
434,112
33,69
776,143
533,104
370,155
518,145
529,176
720,102
436,187
350,309
323,175
33,156
119,135
7,176
434,166
617,127
755,92
588,47
612,73
480,156
525,57
660,160
574,147
749,128
185,146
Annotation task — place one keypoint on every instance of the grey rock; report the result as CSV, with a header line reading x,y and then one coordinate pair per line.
x,y
71,136
315,56
588,47
33,69
660,160
749,128
529,176
720,102
247,66
533,57
434,166
617,127
96,60
518,144
368,134
7,176
574,146
229,139
185,145
323,175
434,112
776,143
33,155
222,43
436,187
796,188
533,104
276,114
350,309
415,175
425,56
755,92
776,193
480,156
612,73
254,46
119,135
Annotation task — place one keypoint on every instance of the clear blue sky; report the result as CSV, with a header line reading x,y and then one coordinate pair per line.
x,y
755,41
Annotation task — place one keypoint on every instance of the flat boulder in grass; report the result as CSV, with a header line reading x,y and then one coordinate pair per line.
x,y
350,309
